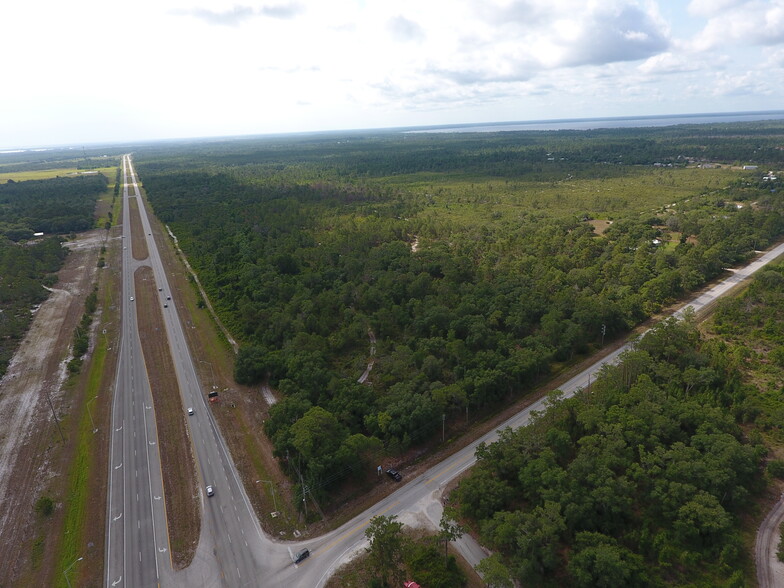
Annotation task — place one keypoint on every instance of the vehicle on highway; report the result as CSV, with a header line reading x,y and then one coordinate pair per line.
x,y
301,554
160,289
394,474
165,305
190,411
210,491
168,298
131,298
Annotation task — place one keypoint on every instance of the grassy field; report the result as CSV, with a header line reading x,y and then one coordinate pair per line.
x,y
43,174
476,199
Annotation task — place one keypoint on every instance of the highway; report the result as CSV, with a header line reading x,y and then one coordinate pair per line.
x,y
135,510
232,549
137,538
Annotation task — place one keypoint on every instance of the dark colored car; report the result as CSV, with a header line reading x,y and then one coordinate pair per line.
x,y
395,475
301,554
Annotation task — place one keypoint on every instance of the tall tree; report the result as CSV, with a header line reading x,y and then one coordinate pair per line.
x,y
386,548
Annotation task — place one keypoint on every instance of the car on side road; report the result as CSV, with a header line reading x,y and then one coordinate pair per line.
x,y
394,474
301,555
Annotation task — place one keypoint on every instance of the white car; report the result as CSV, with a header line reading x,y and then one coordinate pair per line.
x,y
190,411
210,491
131,298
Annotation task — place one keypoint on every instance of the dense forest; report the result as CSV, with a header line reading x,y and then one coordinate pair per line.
x,y
646,479
473,261
24,270
56,205
641,482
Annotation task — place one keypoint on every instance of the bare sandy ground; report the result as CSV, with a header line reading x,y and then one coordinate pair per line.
x,y
34,377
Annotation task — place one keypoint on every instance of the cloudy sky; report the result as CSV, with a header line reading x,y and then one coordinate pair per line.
x,y
84,71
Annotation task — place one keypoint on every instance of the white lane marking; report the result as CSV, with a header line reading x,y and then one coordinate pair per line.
x,y
117,581
162,550
118,517
157,497
118,466
120,429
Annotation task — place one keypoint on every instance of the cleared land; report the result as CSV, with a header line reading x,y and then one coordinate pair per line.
x,y
33,455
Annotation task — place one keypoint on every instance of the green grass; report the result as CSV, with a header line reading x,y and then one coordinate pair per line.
x,y
470,200
43,174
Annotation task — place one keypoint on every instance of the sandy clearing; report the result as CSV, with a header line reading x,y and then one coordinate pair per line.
x,y
37,371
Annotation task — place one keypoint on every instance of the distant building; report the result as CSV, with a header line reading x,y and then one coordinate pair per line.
x,y
749,167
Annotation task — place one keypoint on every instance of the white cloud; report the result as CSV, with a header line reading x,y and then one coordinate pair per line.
x,y
754,22
200,67
712,7
668,63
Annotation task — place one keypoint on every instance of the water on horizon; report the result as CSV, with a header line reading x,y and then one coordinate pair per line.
x,y
584,124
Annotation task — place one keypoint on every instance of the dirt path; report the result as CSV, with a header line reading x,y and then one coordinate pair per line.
x,y
32,387
770,571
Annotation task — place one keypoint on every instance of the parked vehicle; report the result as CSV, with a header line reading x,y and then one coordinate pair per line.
x,y
394,474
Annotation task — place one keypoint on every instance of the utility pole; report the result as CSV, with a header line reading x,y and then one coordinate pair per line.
x,y
65,573
54,414
272,487
92,422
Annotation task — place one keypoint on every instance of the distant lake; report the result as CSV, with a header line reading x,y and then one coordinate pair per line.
x,y
584,124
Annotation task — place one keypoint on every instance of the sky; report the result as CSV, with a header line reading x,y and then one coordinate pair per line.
x,y
91,71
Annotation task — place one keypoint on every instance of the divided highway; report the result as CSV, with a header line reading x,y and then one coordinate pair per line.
x,y
137,539
233,551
